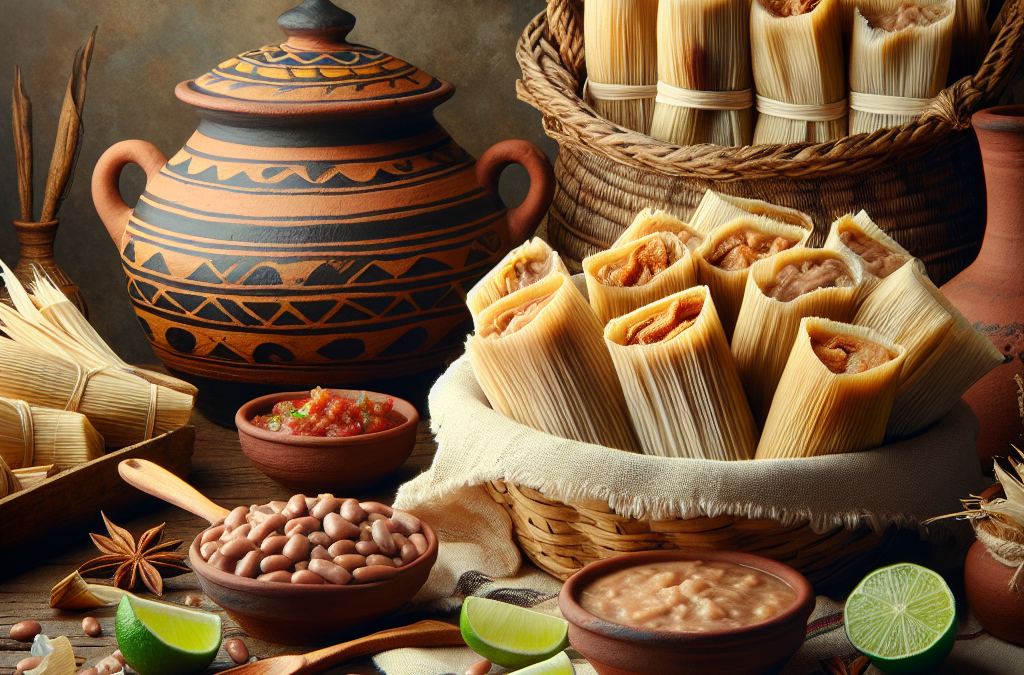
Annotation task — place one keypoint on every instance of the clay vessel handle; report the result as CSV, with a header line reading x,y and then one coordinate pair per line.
x,y
159,482
524,219
106,177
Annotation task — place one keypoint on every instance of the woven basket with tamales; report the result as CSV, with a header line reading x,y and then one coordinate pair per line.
x,y
922,182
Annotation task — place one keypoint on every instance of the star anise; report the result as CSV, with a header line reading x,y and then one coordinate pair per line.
x,y
128,563
836,666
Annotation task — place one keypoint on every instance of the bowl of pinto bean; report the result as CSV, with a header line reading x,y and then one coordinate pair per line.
x,y
304,571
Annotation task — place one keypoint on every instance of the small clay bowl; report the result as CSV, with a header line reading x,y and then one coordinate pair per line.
x,y
314,465
615,649
298,614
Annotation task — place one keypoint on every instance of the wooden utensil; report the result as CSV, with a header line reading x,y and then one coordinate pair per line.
x,y
155,480
22,125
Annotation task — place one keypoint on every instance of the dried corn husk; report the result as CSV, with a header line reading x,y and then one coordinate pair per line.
x,y
60,661
683,391
970,42
34,475
611,299
9,483
621,39
798,60
818,412
905,65
651,221
727,286
879,253
704,46
767,327
30,436
523,266
946,355
717,209
73,593
550,369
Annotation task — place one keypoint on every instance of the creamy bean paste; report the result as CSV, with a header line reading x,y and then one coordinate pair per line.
x,y
849,354
688,596
877,258
792,281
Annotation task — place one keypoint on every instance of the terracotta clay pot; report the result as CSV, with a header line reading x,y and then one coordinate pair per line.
x,y
990,292
998,608
36,242
320,227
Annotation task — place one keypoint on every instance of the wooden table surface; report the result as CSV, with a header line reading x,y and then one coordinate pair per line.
x,y
221,472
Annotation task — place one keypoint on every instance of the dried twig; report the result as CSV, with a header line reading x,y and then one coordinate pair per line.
x,y
22,124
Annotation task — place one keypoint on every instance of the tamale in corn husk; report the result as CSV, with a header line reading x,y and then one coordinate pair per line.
x,y
971,41
621,45
780,293
858,235
899,60
725,257
835,394
524,265
30,436
540,357
9,483
705,89
717,209
32,476
652,221
638,273
799,70
946,355
680,382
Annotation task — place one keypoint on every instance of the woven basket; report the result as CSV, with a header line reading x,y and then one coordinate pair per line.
x,y
922,182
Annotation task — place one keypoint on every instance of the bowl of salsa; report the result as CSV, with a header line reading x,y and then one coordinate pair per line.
x,y
327,439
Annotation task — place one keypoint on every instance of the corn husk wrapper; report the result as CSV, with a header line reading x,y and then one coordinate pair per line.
x,y
684,394
652,221
728,286
970,42
946,355
909,63
61,661
798,60
73,593
767,328
524,265
554,374
30,436
621,45
817,412
875,267
717,209
704,45
610,302
34,475
9,483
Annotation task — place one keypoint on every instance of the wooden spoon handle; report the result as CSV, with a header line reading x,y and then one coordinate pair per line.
x,y
422,634
159,482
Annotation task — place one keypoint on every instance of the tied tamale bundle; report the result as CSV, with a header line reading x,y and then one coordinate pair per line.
x,y
725,257
621,45
799,72
899,60
9,483
705,87
652,221
717,209
780,293
32,436
946,355
858,235
835,394
681,385
638,273
539,356
523,266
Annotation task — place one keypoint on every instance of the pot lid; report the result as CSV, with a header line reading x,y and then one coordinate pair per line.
x,y
315,72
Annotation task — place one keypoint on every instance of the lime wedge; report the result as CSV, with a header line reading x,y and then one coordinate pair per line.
x,y
160,639
559,664
903,618
511,636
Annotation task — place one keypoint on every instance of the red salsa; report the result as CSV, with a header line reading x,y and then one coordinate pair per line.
x,y
329,414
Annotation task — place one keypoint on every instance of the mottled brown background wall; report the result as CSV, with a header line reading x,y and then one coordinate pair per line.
x,y
144,48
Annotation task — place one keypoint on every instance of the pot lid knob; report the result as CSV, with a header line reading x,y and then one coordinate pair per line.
x,y
316,25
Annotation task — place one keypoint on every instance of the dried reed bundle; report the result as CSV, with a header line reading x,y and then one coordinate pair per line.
x,y
9,483
34,475
539,355
797,52
680,382
717,209
638,273
780,293
621,40
836,393
946,355
899,60
651,221
31,436
970,38
858,235
725,257
523,266
705,87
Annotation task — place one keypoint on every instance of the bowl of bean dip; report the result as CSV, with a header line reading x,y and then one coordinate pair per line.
x,y
689,611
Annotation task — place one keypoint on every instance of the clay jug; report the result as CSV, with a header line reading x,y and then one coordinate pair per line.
x,y
990,292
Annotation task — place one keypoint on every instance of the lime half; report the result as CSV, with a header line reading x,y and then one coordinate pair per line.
x,y
160,639
903,618
511,636
559,664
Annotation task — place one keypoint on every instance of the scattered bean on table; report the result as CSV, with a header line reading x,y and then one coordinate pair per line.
x,y
237,650
479,668
91,627
28,663
25,631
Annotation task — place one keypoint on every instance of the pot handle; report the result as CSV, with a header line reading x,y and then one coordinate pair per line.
x,y
524,219
106,177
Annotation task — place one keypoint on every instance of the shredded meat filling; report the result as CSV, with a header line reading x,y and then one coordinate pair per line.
x,y
878,259
644,263
678,317
849,355
906,16
792,281
525,272
514,320
745,247
784,8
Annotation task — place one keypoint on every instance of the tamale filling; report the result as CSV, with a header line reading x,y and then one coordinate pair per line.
x,y
643,264
525,272
792,281
667,325
877,258
516,318
743,248
784,8
907,15
849,355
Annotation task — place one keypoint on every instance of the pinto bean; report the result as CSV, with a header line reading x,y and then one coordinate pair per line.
x,y
352,511
369,575
267,527
303,525
367,548
274,544
377,507
274,563
320,539
281,576
237,548
307,577
297,548
249,566
382,537
406,522
342,547
237,650
339,528
208,549
296,507
374,560
212,534
236,518
334,574
320,553
91,627
327,504
420,542
350,561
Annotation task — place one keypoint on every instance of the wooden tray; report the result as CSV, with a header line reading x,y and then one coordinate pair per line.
x,y
62,504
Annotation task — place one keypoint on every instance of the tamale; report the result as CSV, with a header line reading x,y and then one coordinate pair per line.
x,y
681,385
858,235
9,483
30,436
717,209
540,357
31,476
652,221
835,394
524,265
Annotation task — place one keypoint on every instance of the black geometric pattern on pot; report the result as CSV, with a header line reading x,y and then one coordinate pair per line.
x,y
212,312
268,352
476,256
240,315
468,284
428,298
372,274
490,241
189,302
222,351
239,269
345,349
264,310
263,276
164,303
288,319
205,274
314,310
129,251
145,327
425,267
327,275
408,343
148,291
180,340
349,314
157,264
456,335
133,291
453,299
404,307
375,303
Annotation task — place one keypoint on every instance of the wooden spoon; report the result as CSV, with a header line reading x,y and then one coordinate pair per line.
x,y
155,480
